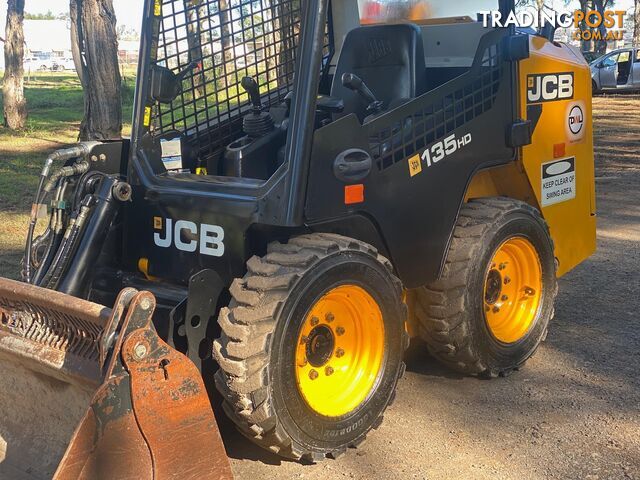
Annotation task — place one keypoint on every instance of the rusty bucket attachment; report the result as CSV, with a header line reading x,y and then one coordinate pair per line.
x,y
150,417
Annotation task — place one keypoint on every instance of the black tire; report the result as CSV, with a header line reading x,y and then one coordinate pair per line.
x,y
259,337
450,312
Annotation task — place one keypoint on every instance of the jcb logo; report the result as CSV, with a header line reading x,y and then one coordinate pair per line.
x,y
549,87
188,236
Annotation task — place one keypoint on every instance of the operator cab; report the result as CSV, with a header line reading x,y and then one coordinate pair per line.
x,y
227,112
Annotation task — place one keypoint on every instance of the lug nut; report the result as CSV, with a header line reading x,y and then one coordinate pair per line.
x,y
313,374
304,339
328,371
314,321
340,331
529,291
329,317
339,353
496,309
487,308
140,351
507,280
504,298
502,266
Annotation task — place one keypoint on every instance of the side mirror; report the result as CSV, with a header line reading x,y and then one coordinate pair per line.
x,y
548,31
165,84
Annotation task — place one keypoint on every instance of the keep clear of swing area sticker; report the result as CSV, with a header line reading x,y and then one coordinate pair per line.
x,y
558,181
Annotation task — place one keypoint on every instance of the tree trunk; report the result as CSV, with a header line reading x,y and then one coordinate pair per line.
x,y
194,40
75,40
540,9
636,24
99,70
288,30
15,105
601,45
226,42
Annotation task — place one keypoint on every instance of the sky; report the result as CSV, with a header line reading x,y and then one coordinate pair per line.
x,y
129,12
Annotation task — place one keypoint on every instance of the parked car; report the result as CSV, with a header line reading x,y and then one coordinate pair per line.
x,y
38,64
617,71
62,64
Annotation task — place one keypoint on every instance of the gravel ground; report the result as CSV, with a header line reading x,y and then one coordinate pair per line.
x,y
572,412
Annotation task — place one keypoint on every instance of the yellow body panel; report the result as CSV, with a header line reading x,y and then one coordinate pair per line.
x,y
572,222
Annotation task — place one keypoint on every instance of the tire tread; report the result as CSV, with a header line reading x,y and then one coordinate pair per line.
x,y
242,351
441,309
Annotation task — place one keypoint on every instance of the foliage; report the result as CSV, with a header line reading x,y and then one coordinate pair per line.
x,y
127,33
45,16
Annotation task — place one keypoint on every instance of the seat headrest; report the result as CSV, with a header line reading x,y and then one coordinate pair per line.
x,y
389,58
380,45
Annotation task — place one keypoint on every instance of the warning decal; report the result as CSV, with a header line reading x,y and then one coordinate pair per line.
x,y
415,165
558,181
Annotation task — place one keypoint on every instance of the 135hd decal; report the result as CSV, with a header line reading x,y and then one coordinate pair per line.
x,y
438,152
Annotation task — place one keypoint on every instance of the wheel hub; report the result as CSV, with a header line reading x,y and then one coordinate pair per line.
x,y
494,287
340,350
319,346
513,290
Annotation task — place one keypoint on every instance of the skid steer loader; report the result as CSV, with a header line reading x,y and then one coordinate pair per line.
x,y
307,185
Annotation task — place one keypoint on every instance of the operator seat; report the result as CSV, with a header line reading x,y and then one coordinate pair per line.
x,y
388,58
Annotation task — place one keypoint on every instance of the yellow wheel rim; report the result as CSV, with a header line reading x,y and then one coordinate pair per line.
x,y
340,351
513,290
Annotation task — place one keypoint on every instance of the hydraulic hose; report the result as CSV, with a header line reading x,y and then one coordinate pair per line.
x,y
86,181
77,151
47,259
68,246
26,273
56,227
78,276
38,242
65,172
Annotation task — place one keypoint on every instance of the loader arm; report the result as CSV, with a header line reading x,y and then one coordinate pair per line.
x,y
150,416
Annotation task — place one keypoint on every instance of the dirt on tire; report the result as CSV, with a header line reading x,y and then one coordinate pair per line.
x,y
248,378
448,311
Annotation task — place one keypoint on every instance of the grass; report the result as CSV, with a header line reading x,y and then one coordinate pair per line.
x,y
55,105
